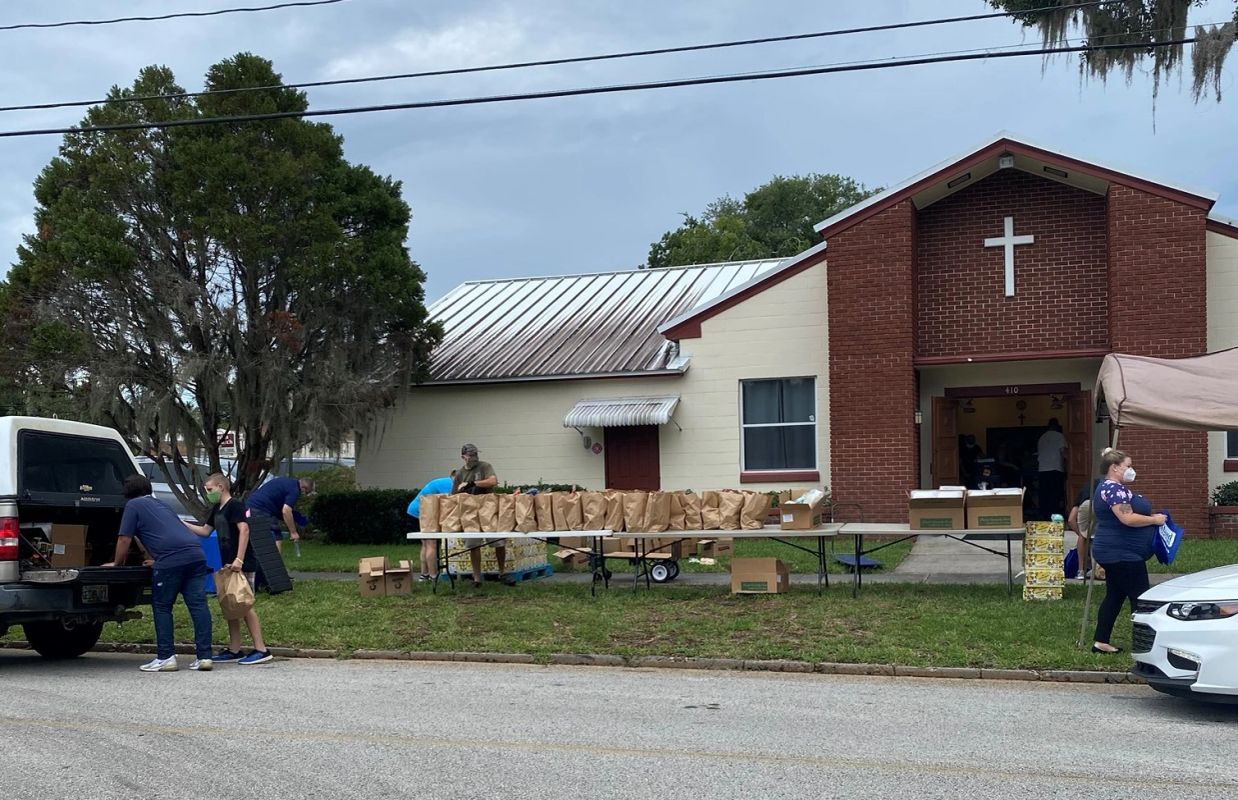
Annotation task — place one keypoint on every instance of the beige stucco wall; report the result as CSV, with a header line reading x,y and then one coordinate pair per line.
x,y
518,427
1222,329
935,380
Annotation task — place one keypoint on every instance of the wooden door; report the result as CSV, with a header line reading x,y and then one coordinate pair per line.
x,y
1079,441
945,464
632,458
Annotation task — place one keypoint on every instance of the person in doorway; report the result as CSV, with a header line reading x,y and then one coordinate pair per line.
x,y
429,547
969,454
226,517
276,501
179,568
477,477
986,478
1051,463
1125,528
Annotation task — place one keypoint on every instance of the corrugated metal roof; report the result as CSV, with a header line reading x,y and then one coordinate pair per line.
x,y
573,325
615,411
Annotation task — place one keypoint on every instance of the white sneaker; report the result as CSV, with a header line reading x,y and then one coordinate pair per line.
x,y
201,665
160,665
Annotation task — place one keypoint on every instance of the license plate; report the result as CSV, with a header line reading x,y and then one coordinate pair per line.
x,y
94,594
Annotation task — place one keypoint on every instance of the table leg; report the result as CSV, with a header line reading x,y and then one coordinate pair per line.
x,y
821,564
1009,568
858,578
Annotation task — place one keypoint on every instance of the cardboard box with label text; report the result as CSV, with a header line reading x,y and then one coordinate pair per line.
x,y
68,546
995,508
370,580
936,509
398,579
802,516
758,576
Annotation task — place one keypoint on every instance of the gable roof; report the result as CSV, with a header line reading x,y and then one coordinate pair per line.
x,y
574,326
934,184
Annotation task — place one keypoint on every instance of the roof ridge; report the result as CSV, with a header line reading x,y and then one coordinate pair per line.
x,y
633,271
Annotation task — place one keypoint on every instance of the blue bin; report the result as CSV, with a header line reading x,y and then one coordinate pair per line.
x,y
210,549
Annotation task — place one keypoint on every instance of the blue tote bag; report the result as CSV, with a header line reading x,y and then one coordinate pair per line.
x,y
1167,539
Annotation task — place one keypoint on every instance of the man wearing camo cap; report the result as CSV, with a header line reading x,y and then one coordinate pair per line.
x,y
477,477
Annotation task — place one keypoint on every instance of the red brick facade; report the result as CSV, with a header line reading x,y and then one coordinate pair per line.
x,y
1158,307
873,396
1125,272
1061,288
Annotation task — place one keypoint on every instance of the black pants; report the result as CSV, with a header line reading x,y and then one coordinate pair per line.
x,y
1124,580
1052,487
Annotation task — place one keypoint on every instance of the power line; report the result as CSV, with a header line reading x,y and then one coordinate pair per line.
x,y
160,17
550,62
593,90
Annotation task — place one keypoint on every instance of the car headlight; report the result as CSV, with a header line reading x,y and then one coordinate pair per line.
x,y
1192,612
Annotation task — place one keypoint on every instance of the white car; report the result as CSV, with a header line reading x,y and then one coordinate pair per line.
x,y
1185,639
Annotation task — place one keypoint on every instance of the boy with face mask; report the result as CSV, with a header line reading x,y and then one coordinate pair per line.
x,y
227,517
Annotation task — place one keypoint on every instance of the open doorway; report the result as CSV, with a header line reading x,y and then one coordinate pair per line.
x,y
992,437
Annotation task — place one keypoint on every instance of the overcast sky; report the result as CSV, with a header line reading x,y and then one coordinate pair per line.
x,y
586,184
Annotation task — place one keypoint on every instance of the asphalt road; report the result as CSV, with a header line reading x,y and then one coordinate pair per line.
x,y
98,728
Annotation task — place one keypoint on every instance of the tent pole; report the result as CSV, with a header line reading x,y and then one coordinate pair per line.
x,y
1087,600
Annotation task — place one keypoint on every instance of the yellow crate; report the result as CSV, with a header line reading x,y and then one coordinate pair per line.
x,y
522,554
1042,560
1035,593
1041,576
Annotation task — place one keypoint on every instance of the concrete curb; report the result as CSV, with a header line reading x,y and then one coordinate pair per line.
x,y
668,662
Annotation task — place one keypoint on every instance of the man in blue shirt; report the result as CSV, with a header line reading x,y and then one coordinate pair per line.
x,y
273,501
429,547
179,568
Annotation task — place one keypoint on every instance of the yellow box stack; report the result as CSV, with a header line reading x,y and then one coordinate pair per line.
x,y
522,554
1044,549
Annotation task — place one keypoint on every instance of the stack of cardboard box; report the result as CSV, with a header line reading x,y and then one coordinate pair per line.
x,y
377,578
1044,549
521,555
956,508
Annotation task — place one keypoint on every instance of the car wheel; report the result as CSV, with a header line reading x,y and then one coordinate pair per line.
x,y
60,640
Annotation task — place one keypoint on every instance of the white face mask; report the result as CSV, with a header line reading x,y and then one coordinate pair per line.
x,y
1129,475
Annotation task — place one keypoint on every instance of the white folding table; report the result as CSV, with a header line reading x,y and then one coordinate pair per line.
x,y
484,538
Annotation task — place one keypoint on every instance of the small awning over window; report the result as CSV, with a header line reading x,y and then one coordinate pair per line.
x,y
613,412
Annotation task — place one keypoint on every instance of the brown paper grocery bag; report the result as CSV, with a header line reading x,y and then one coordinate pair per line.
x,y
676,521
634,511
711,518
755,510
488,512
573,511
614,512
730,507
507,513
470,518
449,513
691,511
428,505
543,502
526,515
657,512
593,510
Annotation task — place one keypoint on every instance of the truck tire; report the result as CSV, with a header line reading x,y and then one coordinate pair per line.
x,y
57,640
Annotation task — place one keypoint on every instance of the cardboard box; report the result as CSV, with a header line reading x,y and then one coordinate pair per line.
x,y
995,508
1044,576
1042,593
794,516
758,576
68,546
712,548
398,580
936,509
370,580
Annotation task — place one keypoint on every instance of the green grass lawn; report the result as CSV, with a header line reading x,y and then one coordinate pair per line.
x,y
975,626
320,557
1196,554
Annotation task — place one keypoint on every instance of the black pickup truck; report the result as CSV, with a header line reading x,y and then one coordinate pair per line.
x,y
57,473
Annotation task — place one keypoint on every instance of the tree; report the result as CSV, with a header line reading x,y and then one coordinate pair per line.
x,y
1147,24
235,276
773,221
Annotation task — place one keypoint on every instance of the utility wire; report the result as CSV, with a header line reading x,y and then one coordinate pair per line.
x,y
160,17
551,62
593,90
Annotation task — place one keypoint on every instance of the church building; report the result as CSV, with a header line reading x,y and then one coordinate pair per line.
x,y
937,327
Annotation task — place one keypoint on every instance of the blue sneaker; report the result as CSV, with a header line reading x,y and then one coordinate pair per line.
x,y
225,656
257,657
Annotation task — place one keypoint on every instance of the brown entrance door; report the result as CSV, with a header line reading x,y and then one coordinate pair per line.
x,y
1079,441
632,460
945,465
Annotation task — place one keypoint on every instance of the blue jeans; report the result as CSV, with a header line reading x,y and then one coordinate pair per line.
x,y
189,581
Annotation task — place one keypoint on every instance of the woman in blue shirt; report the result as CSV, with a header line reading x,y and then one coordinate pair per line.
x,y
1123,542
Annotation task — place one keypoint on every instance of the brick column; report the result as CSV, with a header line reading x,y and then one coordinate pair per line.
x,y
1158,307
874,446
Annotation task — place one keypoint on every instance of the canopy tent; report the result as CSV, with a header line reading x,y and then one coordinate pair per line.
x,y
1183,394
1191,394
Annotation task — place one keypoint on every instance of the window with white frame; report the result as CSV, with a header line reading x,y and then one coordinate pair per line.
x,y
1231,444
779,424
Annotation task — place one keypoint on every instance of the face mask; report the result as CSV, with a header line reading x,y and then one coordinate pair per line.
x,y
1129,475
214,496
